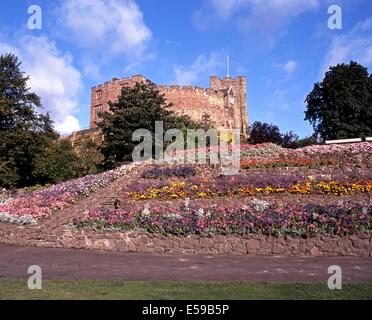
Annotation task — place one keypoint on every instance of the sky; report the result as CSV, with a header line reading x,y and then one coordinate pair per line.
x,y
283,47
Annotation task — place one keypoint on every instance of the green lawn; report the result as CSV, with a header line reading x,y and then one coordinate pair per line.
x,y
14,289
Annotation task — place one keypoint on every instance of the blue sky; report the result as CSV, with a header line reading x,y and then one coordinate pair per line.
x,y
282,46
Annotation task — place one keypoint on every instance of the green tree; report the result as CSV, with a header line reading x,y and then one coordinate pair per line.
x,y
289,140
24,133
307,141
57,162
137,108
90,158
206,122
341,105
262,132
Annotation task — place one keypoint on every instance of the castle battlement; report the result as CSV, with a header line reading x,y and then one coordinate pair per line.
x,y
189,90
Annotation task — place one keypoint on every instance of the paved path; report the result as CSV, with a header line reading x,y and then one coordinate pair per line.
x,y
81,264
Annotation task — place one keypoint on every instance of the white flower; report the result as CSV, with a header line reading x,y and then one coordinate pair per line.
x,y
187,203
174,216
260,205
200,213
6,201
8,218
146,212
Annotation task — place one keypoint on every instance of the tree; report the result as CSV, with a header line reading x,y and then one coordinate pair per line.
x,y
137,108
289,140
90,158
56,163
307,141
341,105
206,122
264,132
24,133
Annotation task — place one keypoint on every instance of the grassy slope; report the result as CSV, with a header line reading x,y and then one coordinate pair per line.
x,y
14,289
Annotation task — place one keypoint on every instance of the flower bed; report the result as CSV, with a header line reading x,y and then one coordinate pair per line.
x,y
234,219
286,162
30,207
246,185
261,151
355,148
165,172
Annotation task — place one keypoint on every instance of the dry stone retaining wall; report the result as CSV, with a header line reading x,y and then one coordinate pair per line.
x,y
255,245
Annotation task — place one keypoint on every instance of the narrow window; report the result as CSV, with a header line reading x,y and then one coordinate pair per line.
x,y
97,111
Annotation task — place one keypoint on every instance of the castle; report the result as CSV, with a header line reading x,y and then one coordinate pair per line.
x,y
225,101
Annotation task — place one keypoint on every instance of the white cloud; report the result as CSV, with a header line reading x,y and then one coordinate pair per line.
x,y
52,77
354,45
290,67
224,9
69,125
112,25
268,16
202,67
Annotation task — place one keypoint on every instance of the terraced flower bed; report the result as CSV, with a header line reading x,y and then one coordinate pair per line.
x,y
246,185
30,207
182,202
165,172
258,217
312,201
256,151
287,162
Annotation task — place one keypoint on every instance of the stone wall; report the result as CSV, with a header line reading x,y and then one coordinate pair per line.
x,y
79,138
197,101
236,97
255,245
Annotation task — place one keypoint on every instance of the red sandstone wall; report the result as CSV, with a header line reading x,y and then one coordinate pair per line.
x,y
238,99
195,102
109,91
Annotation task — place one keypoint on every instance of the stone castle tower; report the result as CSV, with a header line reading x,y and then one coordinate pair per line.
x,y
235,94
225,100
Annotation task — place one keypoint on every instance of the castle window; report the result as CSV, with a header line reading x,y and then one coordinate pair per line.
x,y
97,111
99,94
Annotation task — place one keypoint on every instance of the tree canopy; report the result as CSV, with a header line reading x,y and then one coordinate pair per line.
x,y
137,107
24,133
31,152
262,132
340,106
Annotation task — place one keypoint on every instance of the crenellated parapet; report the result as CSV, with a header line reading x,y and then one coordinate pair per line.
x,y
189,90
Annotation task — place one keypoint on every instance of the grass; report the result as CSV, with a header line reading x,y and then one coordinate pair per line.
x,y
138,290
